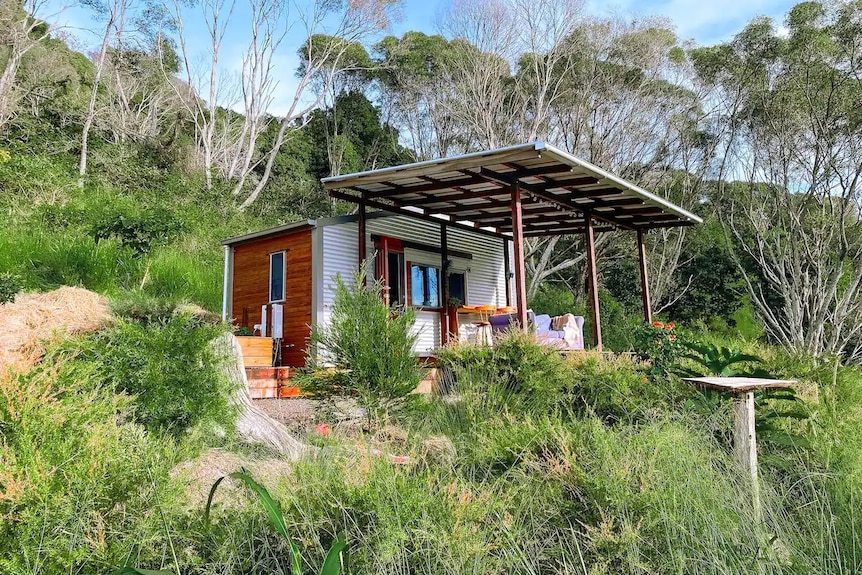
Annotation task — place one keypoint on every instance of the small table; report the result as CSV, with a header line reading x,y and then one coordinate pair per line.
x,y
741,390
483,313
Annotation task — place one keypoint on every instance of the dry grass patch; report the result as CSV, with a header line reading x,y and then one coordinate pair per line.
x,y
35,318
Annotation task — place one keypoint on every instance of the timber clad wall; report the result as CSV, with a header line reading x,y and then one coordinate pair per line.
x,y
251,288
309,280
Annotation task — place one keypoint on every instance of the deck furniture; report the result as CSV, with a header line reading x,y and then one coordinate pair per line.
x,y
741,391
543,328
484,334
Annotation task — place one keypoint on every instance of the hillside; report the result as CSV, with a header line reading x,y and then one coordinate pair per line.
x,y
119,177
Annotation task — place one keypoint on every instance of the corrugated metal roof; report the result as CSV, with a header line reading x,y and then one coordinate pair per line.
x,y
557,189
289,227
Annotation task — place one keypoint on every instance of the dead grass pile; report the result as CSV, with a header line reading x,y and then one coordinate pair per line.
x,y
37,318
197,476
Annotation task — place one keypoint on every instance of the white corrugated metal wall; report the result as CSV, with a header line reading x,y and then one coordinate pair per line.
x,y
486,282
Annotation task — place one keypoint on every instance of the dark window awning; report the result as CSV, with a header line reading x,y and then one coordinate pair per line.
x,y
557,191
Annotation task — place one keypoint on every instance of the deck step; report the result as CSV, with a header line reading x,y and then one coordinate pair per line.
x,y
270,382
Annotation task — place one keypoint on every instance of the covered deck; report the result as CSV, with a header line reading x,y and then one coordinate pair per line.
x,y
515,193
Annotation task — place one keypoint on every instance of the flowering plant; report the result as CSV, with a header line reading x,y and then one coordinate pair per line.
x,y
660,346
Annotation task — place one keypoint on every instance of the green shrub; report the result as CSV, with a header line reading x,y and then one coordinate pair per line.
x,y
140,231
75,473
553,299
516,370
143,308
365,351
522,377
10,286
619,390
660,345
169,367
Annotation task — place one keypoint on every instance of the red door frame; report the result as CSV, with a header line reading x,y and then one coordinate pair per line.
x,y
384,245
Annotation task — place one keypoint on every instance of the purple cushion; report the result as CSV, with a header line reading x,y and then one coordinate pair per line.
x,y
502,321
543,323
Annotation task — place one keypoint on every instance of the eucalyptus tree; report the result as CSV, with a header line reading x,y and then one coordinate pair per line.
x,y
141,103
343,105
412,81
791,127
622,100
332,31
225,141
23,26
113,16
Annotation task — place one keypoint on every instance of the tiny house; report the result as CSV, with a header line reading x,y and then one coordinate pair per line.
x,y
286,274
446,236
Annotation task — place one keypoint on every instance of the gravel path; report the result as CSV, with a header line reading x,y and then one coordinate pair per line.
x,y
291,411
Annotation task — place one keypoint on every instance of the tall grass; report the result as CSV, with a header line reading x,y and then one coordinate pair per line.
x,y
563,498
47,225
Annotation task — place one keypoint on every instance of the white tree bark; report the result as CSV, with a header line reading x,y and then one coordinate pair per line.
x,y
253,424
325,61
114,27
18,24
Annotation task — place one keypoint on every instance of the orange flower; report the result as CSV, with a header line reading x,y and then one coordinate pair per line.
x,y
670,325
643,380
322,429
672,337
657,324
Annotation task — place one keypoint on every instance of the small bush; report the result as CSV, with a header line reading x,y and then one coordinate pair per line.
x,y
516,370
365,351
10,286
554,299
169,367
140,232
73,475
619,390
143,308
524,377
661,346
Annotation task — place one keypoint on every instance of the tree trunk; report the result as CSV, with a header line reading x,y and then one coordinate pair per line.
x,y
253,424
91,108
7,81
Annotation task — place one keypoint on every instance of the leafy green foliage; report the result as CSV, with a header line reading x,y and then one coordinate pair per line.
x,y
139,232
334,557
356,138
75,469
10,286
554,300
366,349
516,370
170,369
659,345
724,361
557,466
711,282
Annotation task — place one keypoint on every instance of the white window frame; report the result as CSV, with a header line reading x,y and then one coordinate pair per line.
x,y
283,277
409,271
466,283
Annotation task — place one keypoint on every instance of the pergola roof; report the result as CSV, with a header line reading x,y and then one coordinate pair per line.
x,y
557,190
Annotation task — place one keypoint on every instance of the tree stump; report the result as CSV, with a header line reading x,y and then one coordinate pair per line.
x,y
253,424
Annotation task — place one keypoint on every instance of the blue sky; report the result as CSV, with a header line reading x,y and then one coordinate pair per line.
x,y
703,21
